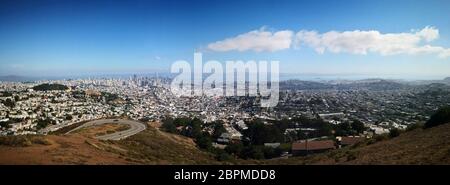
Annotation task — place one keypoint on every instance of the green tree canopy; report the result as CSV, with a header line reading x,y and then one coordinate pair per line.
x,y
50,87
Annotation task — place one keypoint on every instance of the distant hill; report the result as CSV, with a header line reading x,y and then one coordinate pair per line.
x,y
370,84
50,87
15,78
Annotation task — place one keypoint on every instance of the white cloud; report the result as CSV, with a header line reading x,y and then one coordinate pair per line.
x,y
256,40
354,42
429,33
362,42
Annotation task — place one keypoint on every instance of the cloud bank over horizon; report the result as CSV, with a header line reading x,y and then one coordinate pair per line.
x,y
357,42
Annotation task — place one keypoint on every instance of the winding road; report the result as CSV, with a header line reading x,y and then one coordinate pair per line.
x,y
135,127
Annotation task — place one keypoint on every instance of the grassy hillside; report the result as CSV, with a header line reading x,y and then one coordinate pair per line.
x,y
155,147
420,146
148,147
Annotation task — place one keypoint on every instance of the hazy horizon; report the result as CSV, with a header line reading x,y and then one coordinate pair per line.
x,y
283,76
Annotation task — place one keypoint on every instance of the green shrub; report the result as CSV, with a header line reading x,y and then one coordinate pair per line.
x,y
394,132
442,116
223,156
169,126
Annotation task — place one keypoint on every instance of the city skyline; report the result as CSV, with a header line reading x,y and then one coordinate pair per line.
x,y
361,38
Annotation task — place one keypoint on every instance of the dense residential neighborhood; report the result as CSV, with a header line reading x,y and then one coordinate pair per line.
x,y
335,114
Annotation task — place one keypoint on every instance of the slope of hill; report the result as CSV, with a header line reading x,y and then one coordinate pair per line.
x,y
420,146
148,147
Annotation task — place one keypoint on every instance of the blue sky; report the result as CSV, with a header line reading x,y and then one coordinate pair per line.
x,y
86,37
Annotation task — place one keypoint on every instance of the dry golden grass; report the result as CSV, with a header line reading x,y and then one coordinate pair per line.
x,y
104,129
155,147
429,146
148,147
420,146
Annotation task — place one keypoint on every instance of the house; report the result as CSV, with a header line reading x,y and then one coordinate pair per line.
x,y
241,124
379,130
224,138
348,141
301,148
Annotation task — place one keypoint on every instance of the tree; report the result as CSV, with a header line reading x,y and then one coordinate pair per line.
x,y
69,117
43,123
5,124
358,126
252,152
182,121
204,141
344,129
9,103
442,116
259,133
270,152
168,126
219,129
196,125
223,156
5,94
394,132
234,148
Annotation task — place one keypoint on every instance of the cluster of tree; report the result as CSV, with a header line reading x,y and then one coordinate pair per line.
x,y
42,123
6,124
349,128
109,96
9,103
5,94
193,128
259,133
78,94
442,116
50,87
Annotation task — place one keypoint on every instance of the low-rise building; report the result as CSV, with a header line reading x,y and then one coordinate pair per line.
x,y
302,148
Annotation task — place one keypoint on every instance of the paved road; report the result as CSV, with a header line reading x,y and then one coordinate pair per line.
x,y
135,127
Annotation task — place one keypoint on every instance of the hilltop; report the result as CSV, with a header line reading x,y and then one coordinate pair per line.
x,y
148,147
50,87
